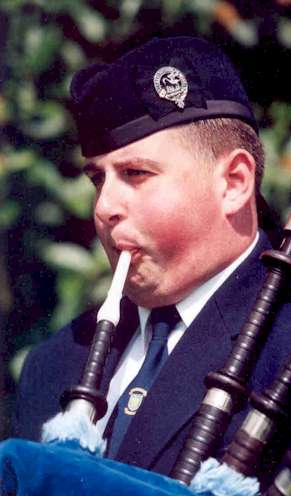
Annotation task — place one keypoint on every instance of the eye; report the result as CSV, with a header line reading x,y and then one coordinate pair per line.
x,y
97,178
130,172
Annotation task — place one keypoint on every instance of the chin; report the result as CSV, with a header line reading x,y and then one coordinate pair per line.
x,y
148,297
140,295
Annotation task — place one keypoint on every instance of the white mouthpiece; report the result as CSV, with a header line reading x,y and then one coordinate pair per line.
x,y
110,310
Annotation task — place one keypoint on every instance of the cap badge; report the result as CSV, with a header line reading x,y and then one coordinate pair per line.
x,y
171,84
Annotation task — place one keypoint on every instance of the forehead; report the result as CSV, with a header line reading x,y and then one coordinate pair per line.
x,y
152,147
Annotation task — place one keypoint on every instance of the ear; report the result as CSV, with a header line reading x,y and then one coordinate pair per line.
x,y
237,174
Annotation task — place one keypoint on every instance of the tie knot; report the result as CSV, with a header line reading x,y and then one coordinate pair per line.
x,y
168,315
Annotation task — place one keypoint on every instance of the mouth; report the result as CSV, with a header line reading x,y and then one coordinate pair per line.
x,y
135,251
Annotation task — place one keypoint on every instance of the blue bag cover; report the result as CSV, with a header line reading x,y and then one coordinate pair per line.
x,y
57,469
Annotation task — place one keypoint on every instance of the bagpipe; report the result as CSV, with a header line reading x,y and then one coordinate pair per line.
x,y
69,461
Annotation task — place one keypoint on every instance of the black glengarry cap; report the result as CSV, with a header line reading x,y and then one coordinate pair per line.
x,y
164,83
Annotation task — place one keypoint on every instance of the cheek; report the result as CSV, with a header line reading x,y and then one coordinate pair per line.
x,y
179,217
167,221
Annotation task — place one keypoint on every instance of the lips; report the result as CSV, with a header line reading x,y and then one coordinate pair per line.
x,y
128,246
121,246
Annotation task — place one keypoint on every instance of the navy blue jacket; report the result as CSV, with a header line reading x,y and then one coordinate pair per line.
x,y
158,431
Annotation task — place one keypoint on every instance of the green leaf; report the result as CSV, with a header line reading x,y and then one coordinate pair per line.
x,y
58,6
100,257
70,288
129,8
202,6
49,213
99,291
276,188
41,45
245,32
26,98
44,173
287,148
284,31
49,121
73,55
12,5
171,8
9,213
69,257
77,196
20,160
280,113
91,23
5,111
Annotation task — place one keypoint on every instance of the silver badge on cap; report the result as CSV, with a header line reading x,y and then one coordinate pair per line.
x,y
171,84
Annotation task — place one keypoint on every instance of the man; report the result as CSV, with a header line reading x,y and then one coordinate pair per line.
x,y
170,145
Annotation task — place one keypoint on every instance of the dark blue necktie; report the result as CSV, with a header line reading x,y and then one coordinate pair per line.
x,y
162,320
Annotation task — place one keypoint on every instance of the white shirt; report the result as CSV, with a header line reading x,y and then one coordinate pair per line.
x,y
136,349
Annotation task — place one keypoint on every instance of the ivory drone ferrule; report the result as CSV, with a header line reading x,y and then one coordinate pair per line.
x,y
110,310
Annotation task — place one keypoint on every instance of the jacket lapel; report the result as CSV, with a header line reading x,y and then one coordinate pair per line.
x,y
179,389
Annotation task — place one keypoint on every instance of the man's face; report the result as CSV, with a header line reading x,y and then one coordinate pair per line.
x,y
154,198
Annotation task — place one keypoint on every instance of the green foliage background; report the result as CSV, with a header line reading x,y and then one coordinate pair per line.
x,y
51,264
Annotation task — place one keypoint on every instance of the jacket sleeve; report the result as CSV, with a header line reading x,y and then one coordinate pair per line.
x,y
49,369
23,421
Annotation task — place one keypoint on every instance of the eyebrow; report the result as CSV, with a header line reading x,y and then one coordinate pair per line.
x,y
140,161
91,167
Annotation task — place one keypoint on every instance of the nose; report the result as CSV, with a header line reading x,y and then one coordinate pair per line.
x,y
109,203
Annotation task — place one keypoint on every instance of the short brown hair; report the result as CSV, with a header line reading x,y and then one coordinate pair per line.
x,y
220,135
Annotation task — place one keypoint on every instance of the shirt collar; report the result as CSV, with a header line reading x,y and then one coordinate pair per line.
x,y
189,307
